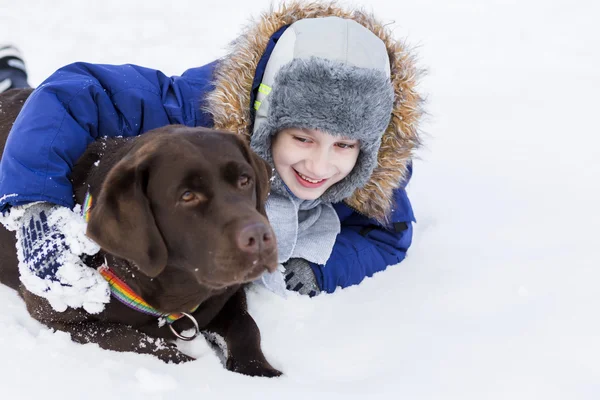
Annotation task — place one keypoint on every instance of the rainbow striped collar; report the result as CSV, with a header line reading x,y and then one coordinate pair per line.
x,y
87,207
122,292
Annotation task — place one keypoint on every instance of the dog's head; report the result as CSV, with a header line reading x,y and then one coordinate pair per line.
x,y
189,201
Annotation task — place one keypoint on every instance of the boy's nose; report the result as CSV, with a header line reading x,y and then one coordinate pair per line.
x,y
318,165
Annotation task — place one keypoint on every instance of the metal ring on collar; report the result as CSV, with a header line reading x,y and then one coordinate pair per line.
x,y
196,327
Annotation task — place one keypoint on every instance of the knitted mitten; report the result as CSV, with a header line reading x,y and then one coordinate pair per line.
x,y
50,241
300,277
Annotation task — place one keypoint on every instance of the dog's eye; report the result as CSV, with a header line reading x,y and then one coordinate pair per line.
x,y
244,181
188,196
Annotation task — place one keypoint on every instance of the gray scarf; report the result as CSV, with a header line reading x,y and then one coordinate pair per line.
x,y
304,228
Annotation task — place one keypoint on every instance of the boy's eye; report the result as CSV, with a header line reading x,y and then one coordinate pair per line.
x,y
346,145
301,139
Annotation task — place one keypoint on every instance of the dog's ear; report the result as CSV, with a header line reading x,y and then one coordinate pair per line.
x,y
121,220
263,173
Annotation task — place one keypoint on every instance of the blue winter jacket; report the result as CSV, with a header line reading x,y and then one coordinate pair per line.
x,y
82,102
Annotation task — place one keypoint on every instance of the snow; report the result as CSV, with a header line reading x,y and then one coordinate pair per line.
x,y
498,298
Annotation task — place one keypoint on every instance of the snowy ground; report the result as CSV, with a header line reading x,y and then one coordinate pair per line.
x,y
498,298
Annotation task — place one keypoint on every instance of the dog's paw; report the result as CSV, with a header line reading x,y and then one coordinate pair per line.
x,y
253,368
172,355
270,372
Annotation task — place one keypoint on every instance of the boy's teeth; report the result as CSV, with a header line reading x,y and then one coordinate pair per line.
x,y
308,179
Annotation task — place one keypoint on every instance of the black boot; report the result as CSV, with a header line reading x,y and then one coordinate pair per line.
x,y
12,69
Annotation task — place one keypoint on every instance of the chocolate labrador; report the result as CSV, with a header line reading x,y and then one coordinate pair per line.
x,y
179,215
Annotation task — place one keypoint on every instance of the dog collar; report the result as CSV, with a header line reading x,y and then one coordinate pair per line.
x,y
87,207
122,292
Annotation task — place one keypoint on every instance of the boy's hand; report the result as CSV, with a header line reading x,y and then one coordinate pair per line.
x,y
50,241
299,277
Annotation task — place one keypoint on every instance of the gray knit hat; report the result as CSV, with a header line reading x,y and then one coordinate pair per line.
x,y
330,74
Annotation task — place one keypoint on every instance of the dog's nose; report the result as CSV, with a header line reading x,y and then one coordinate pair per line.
x,y
254,238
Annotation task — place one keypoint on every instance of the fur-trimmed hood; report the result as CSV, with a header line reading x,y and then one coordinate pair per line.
x,y
229,102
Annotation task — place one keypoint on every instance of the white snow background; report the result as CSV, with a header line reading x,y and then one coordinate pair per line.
x,y
498,298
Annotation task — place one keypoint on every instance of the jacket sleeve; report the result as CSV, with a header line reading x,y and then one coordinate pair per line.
x,y
364,247
75,106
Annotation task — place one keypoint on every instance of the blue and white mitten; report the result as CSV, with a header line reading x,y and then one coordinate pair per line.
x,y
50,242
300,277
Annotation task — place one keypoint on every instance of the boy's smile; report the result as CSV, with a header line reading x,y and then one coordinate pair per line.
x,y
307,182
310,161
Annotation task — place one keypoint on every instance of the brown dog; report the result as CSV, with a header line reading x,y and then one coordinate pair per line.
x,y
179,214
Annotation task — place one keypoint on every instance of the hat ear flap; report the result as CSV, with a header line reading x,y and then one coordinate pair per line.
x,y
122,221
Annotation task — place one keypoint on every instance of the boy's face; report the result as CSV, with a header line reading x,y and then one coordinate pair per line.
x,y
310,161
